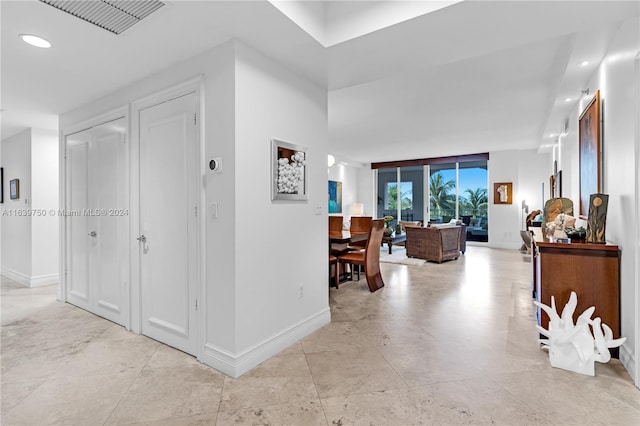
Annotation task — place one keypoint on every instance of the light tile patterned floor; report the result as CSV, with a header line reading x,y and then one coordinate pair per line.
x,y
441,344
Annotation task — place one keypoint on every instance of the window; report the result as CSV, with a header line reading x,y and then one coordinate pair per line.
x,y
391,196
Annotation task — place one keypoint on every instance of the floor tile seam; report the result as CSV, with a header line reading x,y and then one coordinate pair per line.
x,y
364,392
137,376
315,386
22,399
523,401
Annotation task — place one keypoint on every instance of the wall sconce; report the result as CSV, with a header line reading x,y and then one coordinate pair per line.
x,y
331,160
357,209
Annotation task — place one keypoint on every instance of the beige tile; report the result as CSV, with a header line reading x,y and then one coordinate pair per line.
x,y
70,400
279,380
427,363
165,393
476,401
109,357
12,393
393,407
336,336
338,373
294,349
295,413
166,356
200,420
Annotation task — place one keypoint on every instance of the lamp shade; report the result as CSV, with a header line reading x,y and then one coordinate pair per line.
x,y
331,160
357,209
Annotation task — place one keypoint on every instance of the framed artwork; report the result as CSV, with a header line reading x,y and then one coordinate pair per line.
x,y
503,193
335,197
14,189
288,171
557,193
589,152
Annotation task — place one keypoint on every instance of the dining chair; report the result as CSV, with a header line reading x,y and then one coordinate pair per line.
x,y
369,258
335,223
359,225
334,261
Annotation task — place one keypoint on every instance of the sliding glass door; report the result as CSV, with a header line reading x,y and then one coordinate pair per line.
x,y
454,190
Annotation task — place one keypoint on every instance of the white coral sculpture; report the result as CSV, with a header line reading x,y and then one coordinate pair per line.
x,y
572,346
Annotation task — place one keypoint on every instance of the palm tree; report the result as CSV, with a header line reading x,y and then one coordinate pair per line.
x,y
441,193
475,202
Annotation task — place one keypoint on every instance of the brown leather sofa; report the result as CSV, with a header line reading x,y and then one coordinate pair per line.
x,y
436,244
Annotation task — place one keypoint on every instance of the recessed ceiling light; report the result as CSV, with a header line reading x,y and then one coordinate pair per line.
x,y
567,99
584,63
35,41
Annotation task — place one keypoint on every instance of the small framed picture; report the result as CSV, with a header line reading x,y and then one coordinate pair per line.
x,y
14,189
289,171
503,193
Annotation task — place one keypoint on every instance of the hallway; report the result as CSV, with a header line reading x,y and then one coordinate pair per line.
x,y
453,343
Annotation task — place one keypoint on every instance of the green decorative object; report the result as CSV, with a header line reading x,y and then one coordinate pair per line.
x,y
596,222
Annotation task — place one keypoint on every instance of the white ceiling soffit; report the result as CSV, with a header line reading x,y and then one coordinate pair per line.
x,y
115,16
334,22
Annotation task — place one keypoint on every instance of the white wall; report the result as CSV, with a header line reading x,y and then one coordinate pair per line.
x,y
527,170
616,78
281,246
16,230
348,175
256,254
44,197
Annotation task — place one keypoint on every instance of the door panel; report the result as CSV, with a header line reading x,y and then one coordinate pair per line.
x,y
78,246
168,194
97,220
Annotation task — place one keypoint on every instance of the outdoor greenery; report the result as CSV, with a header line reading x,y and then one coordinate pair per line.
x,y
406,202
443,199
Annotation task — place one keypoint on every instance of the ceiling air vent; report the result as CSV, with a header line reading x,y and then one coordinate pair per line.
x,y
115,16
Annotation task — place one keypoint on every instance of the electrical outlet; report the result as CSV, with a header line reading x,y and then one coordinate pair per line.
x,y
318,208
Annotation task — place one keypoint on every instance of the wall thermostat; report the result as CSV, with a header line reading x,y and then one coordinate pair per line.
x,y
216,164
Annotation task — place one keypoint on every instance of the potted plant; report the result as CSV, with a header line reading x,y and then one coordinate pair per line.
x,y
388,231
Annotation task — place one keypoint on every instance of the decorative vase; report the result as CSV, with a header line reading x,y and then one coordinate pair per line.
x,y
398,229
387,232
597,219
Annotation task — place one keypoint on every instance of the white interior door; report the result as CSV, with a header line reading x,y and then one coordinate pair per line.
x,y
168,223
97,219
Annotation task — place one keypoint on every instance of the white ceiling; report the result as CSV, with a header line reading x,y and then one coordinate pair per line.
x,y
469,77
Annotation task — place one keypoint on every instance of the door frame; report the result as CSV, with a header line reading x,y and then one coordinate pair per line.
x,y
195,86
114,114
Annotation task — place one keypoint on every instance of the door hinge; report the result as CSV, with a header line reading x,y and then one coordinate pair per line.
x,y
196,210
195,119
196,304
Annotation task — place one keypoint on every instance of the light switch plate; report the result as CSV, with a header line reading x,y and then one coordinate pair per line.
x,y
318,209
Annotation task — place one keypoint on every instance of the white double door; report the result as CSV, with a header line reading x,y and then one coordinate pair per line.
x,y
168,240
102,231
96,212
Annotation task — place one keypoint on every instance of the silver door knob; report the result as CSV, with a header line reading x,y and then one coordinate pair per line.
x,y
93,234
142,239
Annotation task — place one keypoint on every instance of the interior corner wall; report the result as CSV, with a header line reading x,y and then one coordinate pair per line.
x,y
617,80
281,269
44,198
527,173
16,227
348,175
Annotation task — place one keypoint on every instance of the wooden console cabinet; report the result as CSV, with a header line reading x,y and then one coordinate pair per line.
x,y
591,270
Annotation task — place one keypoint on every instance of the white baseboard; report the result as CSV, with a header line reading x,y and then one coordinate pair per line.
x,y
28,281
235,365
628,359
